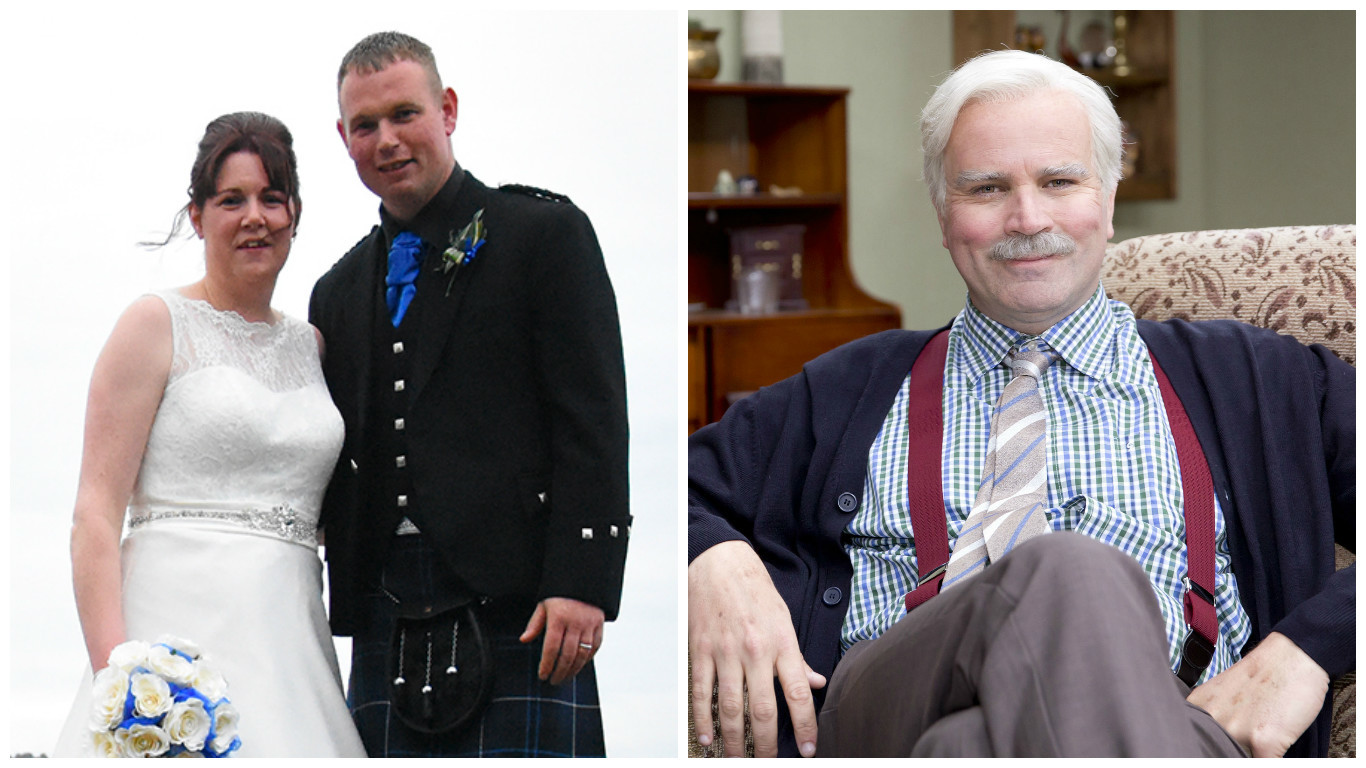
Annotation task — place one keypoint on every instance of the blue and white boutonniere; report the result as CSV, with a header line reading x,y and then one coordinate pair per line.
x,y
464,246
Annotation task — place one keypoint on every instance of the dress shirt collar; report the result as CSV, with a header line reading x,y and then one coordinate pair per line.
x,y
432,223
1084,339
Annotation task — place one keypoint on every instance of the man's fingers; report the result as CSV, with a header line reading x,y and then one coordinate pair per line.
x,y
534,626
554,635
763,717
564,662
570,625
730,706
703,683
814,679
583,654
796,679
575,653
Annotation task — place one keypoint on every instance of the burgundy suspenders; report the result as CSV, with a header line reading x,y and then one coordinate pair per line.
x,y
1198,490
926,495
924,468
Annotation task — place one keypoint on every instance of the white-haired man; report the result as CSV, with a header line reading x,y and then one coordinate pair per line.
x,y
808,536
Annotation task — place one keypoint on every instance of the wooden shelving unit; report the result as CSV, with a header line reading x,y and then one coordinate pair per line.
x,y
1144,95
793,138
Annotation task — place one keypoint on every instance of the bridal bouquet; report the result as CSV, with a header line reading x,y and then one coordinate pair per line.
x,y
161,700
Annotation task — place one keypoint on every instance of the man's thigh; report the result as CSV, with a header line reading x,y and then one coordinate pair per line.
x,y
1060,644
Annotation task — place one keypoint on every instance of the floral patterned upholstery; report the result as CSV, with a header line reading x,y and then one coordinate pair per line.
x,y
1299,281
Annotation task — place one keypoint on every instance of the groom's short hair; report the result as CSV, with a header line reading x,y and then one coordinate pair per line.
x,y
381,49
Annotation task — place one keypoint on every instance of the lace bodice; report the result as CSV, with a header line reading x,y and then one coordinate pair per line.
x,y
246,432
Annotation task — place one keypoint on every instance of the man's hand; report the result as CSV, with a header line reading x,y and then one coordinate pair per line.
x,y
1267,699
740,631
573,633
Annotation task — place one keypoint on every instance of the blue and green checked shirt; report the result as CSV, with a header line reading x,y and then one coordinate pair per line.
x,y
1113,470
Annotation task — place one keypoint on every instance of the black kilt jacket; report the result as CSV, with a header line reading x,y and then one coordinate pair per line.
x,y
516,429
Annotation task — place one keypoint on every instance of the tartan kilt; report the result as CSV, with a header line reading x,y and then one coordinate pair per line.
x,y
525,717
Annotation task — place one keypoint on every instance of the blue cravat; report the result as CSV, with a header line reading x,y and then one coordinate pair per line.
x,y
404,260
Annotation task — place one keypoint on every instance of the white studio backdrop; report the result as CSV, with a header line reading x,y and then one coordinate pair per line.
x,y
104,107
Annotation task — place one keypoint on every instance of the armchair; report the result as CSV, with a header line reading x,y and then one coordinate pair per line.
x,y
1299,281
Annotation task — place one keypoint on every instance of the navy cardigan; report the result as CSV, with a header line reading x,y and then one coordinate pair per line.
x,y
1276,420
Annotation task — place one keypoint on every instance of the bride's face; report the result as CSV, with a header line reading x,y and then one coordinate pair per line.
x,y
246,225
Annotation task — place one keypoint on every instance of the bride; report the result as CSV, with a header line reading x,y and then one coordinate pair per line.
x,y
209,423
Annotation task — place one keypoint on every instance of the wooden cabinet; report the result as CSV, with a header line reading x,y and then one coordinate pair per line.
x,y
793,139
1143,89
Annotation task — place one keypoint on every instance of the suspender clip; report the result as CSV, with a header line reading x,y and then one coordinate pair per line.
x,y
1197,651
929,587
1196,654
1197,590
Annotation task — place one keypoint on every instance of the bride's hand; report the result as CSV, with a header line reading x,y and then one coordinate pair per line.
x,y
573,633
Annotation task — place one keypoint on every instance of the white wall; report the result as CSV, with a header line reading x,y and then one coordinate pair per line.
x,y
103,107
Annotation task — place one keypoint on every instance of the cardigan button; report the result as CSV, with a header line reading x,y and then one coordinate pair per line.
x,y
832,596
847,502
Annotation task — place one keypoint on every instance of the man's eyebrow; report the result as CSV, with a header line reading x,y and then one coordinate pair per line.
x,y
965,178
1071,169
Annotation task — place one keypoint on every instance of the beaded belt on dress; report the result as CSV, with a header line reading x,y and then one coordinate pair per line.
x,y
280,520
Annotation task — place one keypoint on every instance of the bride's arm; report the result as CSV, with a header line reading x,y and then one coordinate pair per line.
x,y
125,390
322,355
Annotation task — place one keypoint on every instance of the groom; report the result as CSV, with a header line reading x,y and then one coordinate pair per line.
x,y
474,352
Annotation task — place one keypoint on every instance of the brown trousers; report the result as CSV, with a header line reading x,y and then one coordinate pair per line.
x,y
1057,650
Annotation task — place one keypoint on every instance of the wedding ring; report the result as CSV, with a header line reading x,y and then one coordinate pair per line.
x,y
586,646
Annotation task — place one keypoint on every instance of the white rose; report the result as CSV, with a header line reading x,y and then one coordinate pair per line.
x,y
128,655
208,681
181,644
170,665
108,696
187,724
225,719
151,694
145,741
107,744
190,754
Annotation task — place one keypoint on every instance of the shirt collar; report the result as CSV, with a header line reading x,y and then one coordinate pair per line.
x,y
432,223
1084,339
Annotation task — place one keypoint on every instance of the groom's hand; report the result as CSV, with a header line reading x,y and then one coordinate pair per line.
x,y
573,633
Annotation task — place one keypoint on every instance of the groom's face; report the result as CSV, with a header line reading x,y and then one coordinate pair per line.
x,y
396,125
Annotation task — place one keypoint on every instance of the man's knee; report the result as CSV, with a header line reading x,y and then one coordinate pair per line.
x,y
1068,561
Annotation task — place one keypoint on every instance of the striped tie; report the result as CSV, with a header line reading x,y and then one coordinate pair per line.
x,y
1012,500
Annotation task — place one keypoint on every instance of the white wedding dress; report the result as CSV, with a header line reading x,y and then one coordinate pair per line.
x,y
221,546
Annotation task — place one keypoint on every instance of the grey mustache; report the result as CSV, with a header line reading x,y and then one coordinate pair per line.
x,y
1040,244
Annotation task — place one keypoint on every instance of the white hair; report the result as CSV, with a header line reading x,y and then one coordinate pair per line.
x,y
1005,76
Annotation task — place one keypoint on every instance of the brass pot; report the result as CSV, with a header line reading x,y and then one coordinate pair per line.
x,y
704,60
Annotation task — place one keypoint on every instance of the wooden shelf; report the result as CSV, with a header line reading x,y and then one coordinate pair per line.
x,y
1146,78
728,317
1144,98
758,90
793,137
708,200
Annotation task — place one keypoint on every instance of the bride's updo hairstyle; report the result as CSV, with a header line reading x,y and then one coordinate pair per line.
x,y
254,132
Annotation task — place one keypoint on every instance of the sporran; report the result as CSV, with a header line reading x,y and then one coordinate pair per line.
x,y
439,659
